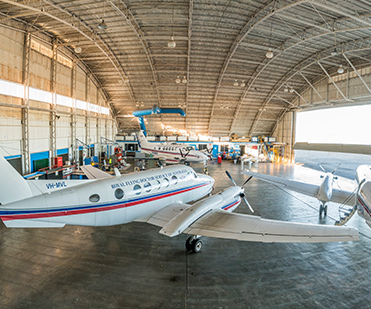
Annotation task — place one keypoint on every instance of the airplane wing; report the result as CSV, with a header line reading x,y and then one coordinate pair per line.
x,y
94,173
223,224
166,214
338,196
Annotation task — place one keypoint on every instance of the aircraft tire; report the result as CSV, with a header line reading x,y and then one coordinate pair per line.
x,y
197,245
325,211
320,210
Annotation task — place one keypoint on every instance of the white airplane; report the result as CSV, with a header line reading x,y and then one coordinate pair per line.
x,y
324,192
158,197
172,153
359,200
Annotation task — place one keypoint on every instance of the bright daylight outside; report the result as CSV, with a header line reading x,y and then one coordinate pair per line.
x,y
344,125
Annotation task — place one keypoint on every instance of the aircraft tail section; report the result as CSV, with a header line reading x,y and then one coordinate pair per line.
x,y
13,187
142,140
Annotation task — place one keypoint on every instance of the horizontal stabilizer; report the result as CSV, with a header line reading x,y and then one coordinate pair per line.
x,y
32,224
94,173
346,148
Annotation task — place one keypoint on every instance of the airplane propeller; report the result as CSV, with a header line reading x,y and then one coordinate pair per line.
x,y
242,194
183,155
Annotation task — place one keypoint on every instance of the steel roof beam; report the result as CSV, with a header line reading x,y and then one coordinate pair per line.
x,y
266,12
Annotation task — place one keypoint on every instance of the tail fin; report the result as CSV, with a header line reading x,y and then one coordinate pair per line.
x,y
13,187
142,140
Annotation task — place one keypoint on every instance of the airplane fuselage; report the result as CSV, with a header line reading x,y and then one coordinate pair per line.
x,y
111,201
325,191
172,153
364,193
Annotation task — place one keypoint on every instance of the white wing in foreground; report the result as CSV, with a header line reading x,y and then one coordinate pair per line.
x,y
223,224
338,196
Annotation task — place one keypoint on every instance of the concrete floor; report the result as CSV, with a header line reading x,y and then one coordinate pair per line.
x,y
133,266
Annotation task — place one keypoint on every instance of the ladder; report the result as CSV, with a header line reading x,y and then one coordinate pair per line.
x,y
345,213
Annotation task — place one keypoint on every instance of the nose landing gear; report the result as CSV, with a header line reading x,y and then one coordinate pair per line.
x,y
323,209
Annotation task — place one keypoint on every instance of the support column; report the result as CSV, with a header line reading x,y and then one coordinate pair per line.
x,y
53,122
26,168
98,119
293,133
73,156
88,115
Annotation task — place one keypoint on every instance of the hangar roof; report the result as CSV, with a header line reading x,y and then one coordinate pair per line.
x,y
218,44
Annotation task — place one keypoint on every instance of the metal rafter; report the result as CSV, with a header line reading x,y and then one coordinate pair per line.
x,y
353,46
190,12
130,19
266,12
307,35
90,35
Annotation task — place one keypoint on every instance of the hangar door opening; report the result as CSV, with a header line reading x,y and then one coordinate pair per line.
x,y
341,125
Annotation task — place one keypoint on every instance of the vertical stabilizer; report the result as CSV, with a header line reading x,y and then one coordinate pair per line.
x,y
13,187
142,140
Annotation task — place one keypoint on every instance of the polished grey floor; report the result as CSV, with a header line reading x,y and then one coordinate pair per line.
x,y
133,266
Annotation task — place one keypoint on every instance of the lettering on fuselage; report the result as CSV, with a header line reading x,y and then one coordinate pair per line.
x,y
181,174
56,185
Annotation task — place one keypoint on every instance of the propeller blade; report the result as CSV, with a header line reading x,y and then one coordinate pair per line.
x,y
336,168
230,177
248,179
248,205
321,167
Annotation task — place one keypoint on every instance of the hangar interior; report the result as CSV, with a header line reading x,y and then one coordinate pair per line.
x,y
73,72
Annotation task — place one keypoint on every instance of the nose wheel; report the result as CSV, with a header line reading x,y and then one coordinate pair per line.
x,y
194,244
323,209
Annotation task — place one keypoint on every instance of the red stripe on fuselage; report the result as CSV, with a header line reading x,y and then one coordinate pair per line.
x,y
92,210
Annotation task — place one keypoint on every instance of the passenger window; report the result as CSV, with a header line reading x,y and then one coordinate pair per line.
x,y
157,185
94,198
119,193
174,180
137,189
147,187
166,182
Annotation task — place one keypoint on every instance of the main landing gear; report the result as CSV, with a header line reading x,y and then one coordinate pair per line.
x,y
194,243
323,209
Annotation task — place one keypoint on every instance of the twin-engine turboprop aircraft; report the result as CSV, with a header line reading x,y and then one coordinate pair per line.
x,y
157,197
172,153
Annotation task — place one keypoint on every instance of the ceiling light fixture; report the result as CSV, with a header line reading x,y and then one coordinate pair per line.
x,y
78,50
171,43
292,90
340,69
242,84
184,80
286,89
102,25
177,80
334,52
269,54
235,83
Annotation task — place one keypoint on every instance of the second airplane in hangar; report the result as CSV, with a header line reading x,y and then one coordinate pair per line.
x,y
158,197
171,153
